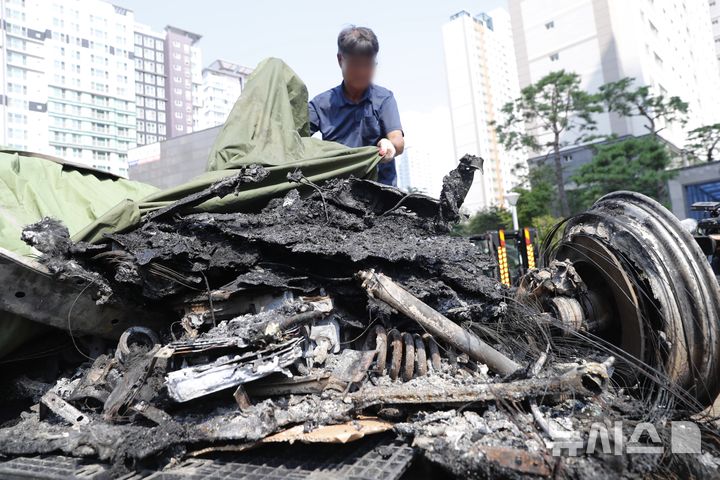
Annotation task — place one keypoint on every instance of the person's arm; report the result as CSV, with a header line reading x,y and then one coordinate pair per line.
x,y
398,140
313,118
394,142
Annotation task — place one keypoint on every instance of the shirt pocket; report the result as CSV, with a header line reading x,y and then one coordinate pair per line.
x,y
371,128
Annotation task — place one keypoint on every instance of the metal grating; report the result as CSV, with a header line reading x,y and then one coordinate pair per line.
x,y
375,457
365,459
53,467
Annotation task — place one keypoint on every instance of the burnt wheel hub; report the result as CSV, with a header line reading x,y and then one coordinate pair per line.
x,y
651,290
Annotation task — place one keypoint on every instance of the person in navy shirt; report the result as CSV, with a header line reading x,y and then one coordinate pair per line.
x,y
358,113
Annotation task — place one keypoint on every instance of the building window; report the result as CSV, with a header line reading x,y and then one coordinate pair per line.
x,y
549,25
554,57
179,127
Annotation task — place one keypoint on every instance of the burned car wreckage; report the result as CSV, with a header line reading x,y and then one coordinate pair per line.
x,y
350,311
340,330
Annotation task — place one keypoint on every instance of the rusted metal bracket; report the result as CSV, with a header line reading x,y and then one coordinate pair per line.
x,y
586,380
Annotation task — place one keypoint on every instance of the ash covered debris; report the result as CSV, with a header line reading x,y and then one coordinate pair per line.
x,y
337,304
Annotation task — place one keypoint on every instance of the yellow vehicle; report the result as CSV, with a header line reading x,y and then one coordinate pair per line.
x,y
514,250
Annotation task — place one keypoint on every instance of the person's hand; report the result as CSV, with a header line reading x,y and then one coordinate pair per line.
x,y
387,150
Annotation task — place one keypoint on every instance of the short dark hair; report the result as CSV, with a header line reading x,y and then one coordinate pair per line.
x,y
358,41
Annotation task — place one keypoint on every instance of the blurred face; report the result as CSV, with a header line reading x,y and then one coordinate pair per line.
x,y
357,70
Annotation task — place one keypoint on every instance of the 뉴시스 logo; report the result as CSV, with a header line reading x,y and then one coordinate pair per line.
x,y
684,438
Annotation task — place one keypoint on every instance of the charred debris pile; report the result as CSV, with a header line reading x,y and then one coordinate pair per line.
x,y
344,311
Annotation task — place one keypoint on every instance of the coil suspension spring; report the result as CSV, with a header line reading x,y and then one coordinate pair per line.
x,y
405,353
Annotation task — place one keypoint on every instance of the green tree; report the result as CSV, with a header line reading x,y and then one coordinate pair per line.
x,y
620,97
537,195
491,218
550,114
703,142
637,163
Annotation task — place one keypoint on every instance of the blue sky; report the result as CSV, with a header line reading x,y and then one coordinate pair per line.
x,y
303,33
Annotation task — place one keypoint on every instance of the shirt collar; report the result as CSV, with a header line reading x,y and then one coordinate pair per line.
x,y
341,92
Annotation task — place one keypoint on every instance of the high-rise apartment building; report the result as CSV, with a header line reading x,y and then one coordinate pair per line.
x,y
667,45
417,171
66,80
150,90
222,83
167,69
482,77
715,25
81,79
183,66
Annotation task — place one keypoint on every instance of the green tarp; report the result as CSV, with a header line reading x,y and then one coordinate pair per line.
x,y
267,126
32,187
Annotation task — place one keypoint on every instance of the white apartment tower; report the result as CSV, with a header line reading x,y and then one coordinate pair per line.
x,y
715,23
67,81
167,83
222,83
666,44
482,77
150,79
417,169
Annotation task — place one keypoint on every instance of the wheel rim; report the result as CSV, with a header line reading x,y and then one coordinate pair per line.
x,y
669,318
